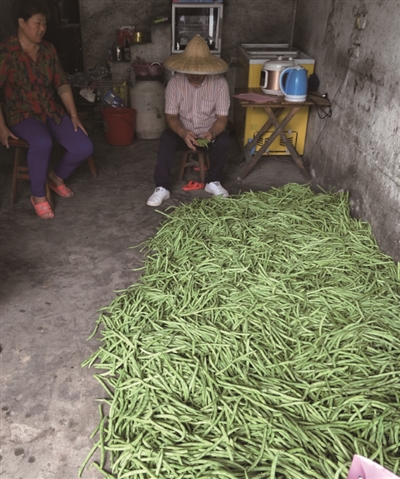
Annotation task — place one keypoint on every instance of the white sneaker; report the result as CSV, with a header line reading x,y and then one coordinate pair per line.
x,y
216,189
160,194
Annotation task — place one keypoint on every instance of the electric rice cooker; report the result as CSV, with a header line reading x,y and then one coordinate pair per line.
x,y
271,72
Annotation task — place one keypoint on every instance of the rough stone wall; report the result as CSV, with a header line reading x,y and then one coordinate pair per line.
x,y
100,20
6,25
258,21
356,47
355,44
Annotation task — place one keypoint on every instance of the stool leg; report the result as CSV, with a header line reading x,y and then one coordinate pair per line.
x,y
49,195
183,165
14,188
21,172
207,161
201,166
92,166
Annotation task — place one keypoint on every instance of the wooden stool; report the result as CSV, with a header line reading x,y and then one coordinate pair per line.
x,y
20,171
188,159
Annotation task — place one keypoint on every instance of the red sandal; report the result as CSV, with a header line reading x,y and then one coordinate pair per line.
x,y
61,190
42,209
193,185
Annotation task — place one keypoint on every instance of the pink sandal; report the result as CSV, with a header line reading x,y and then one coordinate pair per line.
x,y
61,190
42,209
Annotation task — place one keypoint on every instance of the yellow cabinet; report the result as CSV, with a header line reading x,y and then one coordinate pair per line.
x,y
248,121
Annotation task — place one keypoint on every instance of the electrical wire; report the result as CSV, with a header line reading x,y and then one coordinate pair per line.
x,y
324,114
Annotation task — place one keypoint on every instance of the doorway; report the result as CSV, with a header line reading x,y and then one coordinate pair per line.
x,y
64,32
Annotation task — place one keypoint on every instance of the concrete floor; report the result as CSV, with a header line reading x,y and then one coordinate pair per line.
x,y
57,274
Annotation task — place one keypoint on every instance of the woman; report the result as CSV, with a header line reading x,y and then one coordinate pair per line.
x,y
33,83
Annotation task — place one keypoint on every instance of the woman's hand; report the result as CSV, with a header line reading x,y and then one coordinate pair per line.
x,y
5,134
76,122
68,100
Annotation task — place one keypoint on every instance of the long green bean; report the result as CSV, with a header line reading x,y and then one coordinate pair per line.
x,y
262,341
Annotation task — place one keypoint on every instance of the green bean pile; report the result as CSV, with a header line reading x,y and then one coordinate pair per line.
x,y
261,342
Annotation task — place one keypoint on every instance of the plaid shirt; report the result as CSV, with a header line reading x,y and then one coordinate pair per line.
x,y
29,89
197,107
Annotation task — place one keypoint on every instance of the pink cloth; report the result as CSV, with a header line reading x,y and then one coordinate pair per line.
x,y
363,468
256,97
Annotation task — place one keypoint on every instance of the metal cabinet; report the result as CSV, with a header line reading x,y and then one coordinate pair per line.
x,y
190,19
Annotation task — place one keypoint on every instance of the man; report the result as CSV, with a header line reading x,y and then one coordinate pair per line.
x,y
196,106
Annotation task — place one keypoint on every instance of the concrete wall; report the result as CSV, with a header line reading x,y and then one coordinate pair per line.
x,y
100,20
258,21
355,44
264,21
6,26
356,47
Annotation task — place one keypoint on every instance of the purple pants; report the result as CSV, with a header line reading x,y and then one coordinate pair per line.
x,y
39,136
170,142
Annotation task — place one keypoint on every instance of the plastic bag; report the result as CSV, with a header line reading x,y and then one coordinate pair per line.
x,y
363,468
112,99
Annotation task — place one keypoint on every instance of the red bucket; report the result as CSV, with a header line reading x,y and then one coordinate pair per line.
x,y
119,125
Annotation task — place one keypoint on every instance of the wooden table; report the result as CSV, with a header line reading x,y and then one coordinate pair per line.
x,y
274,108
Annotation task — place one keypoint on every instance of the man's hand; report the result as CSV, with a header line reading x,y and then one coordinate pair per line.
x,y
187,136
190,139
208,135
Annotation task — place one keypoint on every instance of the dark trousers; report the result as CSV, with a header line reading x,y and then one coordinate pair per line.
x,y
170,142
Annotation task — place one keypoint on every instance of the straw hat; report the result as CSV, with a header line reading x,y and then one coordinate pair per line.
x,y
196,59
